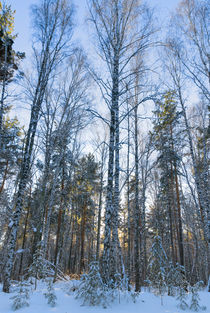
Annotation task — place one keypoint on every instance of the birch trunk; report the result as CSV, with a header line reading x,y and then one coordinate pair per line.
x,y
3,91
128,204
100,205
109,201
137,206
115,103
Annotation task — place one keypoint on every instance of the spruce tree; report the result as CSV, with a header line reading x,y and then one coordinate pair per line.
x,y
157,271
21,298
50,294
40,267
195,299
92,291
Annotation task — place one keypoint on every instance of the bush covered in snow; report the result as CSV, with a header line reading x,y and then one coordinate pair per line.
x,y
21,297
22,290
164,276
195,299
91,290
50,294
40,267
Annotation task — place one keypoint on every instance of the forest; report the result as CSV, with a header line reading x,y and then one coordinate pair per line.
x,y
107,181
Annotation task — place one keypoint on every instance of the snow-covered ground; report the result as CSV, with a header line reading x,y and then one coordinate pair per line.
x,y
66,303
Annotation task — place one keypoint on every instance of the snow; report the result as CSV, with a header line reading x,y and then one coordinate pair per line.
x,y
66,303
20,251
11,224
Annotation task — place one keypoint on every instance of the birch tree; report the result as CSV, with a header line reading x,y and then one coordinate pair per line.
x,y
123,28
70,104
190,41
52,21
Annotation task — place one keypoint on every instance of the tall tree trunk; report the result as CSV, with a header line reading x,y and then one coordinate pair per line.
x,y
109,203
99,213
115,240
3,90
57,242
72,221
180,238
112,203
171,229
137,207
82,240
128,204
24,241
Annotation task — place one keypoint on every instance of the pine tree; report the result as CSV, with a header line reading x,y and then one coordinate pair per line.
x,y
84,187
167,141
9,59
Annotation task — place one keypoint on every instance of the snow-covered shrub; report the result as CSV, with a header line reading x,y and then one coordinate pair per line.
x,y
163,274
195,299
120,282
134,295
50,294
175,279
40,267
91,290
21,297
119,287
181,298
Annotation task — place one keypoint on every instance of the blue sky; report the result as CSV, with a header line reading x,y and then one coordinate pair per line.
x,y
22,18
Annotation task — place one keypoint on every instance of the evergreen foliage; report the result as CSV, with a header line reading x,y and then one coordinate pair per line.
x,y
11,145
91,290
21,298
181,298
40,267
163,275
158,267
50,294
8,57
175,278
195,299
